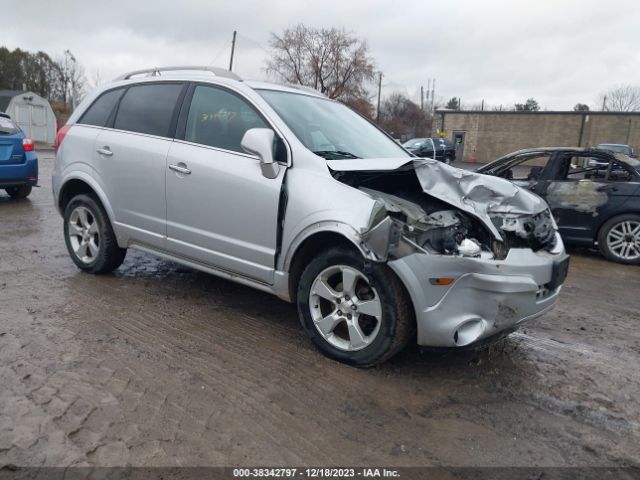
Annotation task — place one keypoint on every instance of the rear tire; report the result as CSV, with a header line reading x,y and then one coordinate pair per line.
x,y
335,318
22,191
619,239
89,236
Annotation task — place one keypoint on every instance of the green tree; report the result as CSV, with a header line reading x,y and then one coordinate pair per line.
x,y
453,104
529,106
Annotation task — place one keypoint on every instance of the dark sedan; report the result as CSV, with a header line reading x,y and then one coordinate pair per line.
x,y
594,205
437,148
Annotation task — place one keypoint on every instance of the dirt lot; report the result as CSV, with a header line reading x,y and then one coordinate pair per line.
x,y
162,365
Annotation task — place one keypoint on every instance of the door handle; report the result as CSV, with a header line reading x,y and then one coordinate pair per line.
x,y
106,151
179,169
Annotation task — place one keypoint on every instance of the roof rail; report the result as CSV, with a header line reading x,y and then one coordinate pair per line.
x,y
157,71
304,88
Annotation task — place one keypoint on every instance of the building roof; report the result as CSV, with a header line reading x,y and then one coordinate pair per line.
x,y
528,112
6,96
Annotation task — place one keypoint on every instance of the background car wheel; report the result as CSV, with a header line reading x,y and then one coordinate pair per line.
x,y
447,160
619,239
354,311
89,237
19,192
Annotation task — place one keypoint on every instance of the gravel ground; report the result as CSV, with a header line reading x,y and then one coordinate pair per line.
x,y
162,365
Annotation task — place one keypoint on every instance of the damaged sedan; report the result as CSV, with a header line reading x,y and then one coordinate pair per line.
x,y
593,193
284,190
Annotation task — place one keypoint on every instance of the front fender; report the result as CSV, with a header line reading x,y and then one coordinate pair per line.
x,y
343,229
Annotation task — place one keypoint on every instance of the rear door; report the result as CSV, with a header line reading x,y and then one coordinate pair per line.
x,y
583,194
130,158
221,210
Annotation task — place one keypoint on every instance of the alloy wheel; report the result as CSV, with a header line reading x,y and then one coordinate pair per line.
x,y
623,240
84,234
345,308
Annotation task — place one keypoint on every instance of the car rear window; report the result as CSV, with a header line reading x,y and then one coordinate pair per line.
x,y
7,127
98,113
148,108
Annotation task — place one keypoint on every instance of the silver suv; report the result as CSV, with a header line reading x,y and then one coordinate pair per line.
x,y
295,194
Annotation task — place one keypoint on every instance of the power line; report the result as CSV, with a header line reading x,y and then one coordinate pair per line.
x,y
220,52
254,42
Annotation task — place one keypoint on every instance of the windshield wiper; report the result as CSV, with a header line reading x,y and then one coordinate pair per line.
x,y
334,153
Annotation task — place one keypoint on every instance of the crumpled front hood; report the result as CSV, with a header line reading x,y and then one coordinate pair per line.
x,y
480,195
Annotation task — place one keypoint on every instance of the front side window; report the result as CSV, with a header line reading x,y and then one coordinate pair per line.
x,y
98,113
148,108
220,119
525,167
330,129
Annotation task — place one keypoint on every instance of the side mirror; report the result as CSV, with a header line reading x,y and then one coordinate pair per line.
x,y
259,142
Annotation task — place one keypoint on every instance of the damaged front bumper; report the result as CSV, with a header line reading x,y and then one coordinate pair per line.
x,y
485,298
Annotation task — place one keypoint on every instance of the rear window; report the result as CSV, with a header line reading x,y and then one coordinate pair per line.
x,y
98,113
7,127
148,108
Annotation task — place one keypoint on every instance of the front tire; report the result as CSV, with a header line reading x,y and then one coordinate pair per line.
x,y
22,191
354,311
89,237
619,239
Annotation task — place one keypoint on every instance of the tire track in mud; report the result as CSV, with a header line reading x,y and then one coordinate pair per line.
x,y
238,384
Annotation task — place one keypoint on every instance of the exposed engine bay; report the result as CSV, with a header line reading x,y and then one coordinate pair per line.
x,y
407,219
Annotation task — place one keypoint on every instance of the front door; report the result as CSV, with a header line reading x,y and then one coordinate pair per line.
x,y
221,210
39,123
458,142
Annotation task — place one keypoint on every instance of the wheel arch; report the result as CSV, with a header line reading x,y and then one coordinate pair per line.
x,y
77,185
309,245
598,229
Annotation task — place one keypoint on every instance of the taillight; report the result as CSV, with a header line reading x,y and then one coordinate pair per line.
x,y
60,136
27,144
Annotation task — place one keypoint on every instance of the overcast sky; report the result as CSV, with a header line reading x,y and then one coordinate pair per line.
x,y
559,52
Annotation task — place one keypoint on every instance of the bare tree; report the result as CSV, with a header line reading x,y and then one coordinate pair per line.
x,y
71,79
96,80
403,118
624,98
333,61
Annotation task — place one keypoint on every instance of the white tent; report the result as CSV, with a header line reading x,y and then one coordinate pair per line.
x,y
32,112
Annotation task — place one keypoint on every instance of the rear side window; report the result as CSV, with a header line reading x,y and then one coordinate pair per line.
x,y
220,119
148,109
98,113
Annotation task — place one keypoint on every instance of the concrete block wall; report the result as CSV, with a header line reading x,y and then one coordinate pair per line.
x,y
494,134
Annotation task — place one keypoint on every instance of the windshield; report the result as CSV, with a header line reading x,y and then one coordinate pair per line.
x,y
7,127
414,143
615,148
330,129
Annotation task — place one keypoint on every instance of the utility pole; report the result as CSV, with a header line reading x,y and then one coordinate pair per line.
x,y
433,93
233,48
604,103
379,92
482,106
421,98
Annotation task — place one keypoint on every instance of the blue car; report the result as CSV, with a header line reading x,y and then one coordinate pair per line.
x,y
18,159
